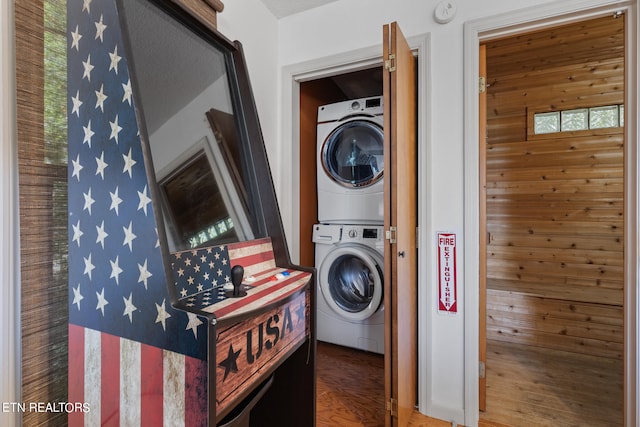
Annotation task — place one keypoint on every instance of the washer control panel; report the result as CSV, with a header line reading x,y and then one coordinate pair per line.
x,y
362,233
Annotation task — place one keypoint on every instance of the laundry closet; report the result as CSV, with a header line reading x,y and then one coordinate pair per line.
x,y
341,192
313,94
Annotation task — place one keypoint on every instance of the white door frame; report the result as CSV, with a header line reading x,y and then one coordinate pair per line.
x,y
528,19
292,76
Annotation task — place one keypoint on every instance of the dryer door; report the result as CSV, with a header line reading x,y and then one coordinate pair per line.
x,y
351,280
353,154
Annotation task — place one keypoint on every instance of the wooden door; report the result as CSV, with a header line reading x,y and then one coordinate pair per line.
x,y
400,251
482,152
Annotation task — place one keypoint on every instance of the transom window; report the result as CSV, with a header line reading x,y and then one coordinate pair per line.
x,y
608,116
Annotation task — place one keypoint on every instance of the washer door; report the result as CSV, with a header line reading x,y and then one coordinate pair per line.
x,y
351,280
353,154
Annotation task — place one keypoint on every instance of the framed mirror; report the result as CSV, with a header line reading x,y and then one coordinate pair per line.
x,y
200,131
188,84
181,74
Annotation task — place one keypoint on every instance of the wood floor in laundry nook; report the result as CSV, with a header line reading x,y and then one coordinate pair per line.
x,y
350,389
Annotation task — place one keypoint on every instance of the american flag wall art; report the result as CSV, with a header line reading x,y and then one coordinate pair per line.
x,y
124,336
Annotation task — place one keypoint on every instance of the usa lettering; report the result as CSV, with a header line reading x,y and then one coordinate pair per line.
x,y
268,334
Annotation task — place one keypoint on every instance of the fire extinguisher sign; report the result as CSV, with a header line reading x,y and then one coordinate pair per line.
x,y
447,277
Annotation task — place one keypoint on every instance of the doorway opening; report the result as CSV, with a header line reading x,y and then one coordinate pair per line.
x,y
554,220
326,87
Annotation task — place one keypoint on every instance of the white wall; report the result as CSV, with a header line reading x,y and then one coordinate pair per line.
x,y
351,26
250,22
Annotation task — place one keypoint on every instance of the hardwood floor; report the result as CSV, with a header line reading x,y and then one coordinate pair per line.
x,y
349,387
529,386
526,386
350,390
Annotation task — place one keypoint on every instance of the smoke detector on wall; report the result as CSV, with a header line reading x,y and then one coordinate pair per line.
x,y
445,11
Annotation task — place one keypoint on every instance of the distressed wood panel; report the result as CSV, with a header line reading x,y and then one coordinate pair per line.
x,y
570,44
574,210
571,66
588,328
247,351
555,203
549,173
556,243
575,256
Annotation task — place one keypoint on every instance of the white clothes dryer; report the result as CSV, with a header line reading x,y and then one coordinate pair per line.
x,y
350,162
350,263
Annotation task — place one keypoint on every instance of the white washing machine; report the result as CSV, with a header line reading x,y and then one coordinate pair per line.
x,y
350,263
350,160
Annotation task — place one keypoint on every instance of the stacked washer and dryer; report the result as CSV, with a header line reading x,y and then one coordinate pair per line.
x,y
349,239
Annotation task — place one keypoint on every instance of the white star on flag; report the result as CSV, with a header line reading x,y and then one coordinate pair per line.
x,y
77,233
100,27
115,270
101,301
128,236
77,296
193,324
144,200
115,129
115,59
88,134
129,308
101,165
88,201
88,266
100,98
128,163
162,315
144,274
76,36
76,104
101,234
115,201
127,92
77,167
87,68
86,6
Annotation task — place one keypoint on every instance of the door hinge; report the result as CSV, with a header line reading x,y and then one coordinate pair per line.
x,y
390,234
482,370
482,84
392,407
390,64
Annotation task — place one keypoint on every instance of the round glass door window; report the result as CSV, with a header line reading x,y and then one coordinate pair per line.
x,y
353,154
352,284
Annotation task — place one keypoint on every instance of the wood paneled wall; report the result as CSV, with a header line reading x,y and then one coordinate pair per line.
x,y
555,203
313,94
